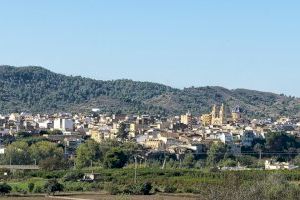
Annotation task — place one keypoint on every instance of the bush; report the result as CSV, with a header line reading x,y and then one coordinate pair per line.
x,y
132,190
53,186
82,186
146,188
30,187
4,189
228,163
170,189
73,176
138,189
74,186
19,190
38,189
111,189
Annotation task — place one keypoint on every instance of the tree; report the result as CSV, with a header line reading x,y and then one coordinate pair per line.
x,y
115,158
4,189
189,160
53,163
122,131
52,186
281,142
43,150
87,153
215,154
17,154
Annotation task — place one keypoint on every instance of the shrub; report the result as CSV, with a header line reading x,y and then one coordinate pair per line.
x,y
38,189
30,187
228,163
111,189
132,189
138,189
19,190
4,189
82,186
73,176
53,186
146,188
74,186
170,189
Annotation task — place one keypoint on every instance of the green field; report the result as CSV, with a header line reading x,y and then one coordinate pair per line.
x,y
198,183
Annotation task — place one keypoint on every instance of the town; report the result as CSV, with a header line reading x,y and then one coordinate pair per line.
x,y
177,135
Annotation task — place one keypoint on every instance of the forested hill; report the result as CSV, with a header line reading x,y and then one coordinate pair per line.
x,y
35,89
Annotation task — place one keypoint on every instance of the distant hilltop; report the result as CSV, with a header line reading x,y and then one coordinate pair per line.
x,y
36,89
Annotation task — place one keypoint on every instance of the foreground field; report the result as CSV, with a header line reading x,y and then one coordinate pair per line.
x,y
164,184
106,197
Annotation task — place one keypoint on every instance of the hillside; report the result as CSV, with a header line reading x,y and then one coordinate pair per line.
x,y
35,89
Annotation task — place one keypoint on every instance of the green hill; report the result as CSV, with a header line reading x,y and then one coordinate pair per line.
x,y
35,89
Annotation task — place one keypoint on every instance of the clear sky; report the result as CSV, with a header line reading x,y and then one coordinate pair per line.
x,y
235,44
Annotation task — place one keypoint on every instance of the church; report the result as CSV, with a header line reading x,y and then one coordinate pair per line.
x,y
217,117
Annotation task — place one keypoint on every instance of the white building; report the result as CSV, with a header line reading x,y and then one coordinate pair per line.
x,y
64,124
45,124
2,150
226,138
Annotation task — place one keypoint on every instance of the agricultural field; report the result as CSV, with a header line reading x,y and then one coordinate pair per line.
x,y
106,197
157,184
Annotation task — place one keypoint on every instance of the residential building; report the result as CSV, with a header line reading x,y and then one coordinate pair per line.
x,y
64,124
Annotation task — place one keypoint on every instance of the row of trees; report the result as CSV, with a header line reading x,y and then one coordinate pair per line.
x,y
111,154
47,154
115,154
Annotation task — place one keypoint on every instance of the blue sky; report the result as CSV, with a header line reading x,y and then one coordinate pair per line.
x,y
235,44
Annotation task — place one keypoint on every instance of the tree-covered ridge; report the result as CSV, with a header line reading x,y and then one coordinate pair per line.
x,y
36,89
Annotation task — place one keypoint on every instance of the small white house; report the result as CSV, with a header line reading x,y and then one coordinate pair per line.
x,y
2,150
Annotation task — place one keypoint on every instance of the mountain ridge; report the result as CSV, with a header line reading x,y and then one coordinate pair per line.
x,y
37,89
